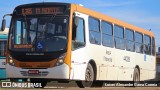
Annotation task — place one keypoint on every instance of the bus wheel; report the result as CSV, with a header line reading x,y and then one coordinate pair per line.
x,y
40,83
136,77
89,77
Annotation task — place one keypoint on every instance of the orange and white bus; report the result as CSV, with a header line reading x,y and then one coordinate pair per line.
x,y
63,41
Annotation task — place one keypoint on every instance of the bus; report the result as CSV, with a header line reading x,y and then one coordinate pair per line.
x,y
3,43
68,42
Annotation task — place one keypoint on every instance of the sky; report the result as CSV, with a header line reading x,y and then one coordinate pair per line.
x,y
141,13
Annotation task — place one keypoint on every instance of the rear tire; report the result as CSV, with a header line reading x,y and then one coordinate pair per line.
x,y
136,77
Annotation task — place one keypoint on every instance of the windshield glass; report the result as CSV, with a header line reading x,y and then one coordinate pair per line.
x,y
40,34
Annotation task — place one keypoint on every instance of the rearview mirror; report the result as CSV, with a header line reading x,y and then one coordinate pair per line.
x,y
3,24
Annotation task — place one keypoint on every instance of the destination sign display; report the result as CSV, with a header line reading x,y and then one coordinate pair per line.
x,y
22,46
41,10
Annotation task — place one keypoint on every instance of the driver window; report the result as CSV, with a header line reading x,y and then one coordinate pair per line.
x,y
18,33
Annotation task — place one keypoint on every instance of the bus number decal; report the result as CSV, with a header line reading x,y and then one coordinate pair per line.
x,y
107,59
108,52
126,58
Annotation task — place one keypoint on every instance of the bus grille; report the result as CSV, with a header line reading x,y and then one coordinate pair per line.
x,y
40,74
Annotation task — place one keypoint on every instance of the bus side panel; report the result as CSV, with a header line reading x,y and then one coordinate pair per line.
x,y
96,54
125,63
139,61
108,62
147,66
151,66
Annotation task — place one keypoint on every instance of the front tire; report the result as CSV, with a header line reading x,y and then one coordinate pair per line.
x,y
89,79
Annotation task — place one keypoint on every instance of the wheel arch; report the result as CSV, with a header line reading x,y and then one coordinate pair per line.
x,y
137,66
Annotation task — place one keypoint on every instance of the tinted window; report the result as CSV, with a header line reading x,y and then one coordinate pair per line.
x,y
93,24
94,32
119,43
138,37
147,45
107,34
118,31
129,35
130,46
139,42
129,40
153,46
107,40
94,37
119,37
106,28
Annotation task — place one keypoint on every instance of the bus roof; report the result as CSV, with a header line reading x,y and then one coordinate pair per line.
x,y
110,19
42,4
76,7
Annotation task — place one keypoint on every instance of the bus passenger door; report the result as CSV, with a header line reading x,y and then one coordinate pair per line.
x,y
78,56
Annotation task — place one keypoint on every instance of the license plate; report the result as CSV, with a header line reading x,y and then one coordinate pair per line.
x,y
33,71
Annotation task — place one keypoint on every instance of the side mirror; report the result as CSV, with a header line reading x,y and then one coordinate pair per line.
x,y
3,24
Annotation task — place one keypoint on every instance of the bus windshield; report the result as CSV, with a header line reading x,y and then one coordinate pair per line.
x,y
38,34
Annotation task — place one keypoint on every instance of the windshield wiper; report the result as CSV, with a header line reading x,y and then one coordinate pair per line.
x,y
27,28
26,22
46,28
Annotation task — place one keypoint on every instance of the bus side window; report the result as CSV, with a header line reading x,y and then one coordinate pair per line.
x,y
130,46
78,35
138,42
94,31
147,44
153,46
119,37
107,34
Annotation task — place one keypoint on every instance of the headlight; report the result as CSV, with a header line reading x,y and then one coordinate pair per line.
x,y
11,62
60,60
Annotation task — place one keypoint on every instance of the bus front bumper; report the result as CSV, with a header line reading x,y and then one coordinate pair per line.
x,y
58,72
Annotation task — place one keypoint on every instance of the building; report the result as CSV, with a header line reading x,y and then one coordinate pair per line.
x,y
158,63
